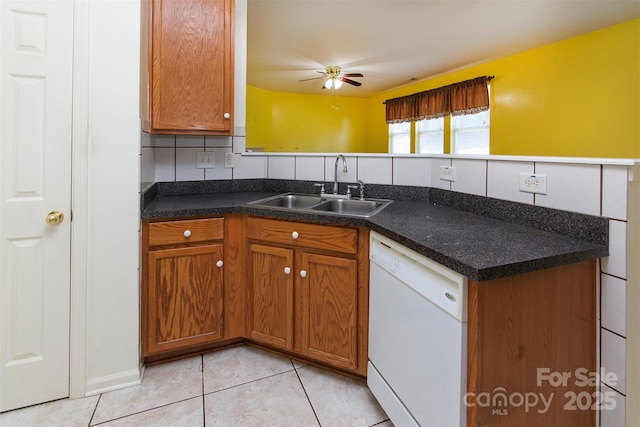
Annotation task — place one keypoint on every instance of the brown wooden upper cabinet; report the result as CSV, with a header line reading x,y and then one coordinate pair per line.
x,y
186,70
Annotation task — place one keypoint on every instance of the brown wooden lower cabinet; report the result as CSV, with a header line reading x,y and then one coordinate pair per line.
x,y
186,301
308,291
303,289
271,318
524,332
193,285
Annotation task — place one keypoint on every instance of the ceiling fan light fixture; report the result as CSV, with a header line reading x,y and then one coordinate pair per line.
x,y
337,83
328,84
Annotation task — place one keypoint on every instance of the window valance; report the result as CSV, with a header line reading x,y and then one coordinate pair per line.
x,y
467,97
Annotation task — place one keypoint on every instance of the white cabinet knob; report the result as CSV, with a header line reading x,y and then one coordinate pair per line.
x,y
303,273
187,233
287,270
227,116
295,235
219,263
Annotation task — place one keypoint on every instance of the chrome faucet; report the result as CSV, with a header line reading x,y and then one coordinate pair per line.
x,y
335,172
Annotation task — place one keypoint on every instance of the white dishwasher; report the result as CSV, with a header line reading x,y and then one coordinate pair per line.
x,y
417,337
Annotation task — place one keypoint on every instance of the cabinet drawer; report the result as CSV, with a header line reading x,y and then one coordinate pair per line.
x,y
302,234
186,231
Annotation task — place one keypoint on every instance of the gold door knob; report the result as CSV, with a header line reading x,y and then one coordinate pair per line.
x,y
54,218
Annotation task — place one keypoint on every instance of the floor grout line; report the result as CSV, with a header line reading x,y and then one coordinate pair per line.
x,y
93,414
145,410
204,411
249,382
305,393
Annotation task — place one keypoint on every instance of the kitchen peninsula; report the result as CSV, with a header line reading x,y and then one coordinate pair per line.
x,y
531,280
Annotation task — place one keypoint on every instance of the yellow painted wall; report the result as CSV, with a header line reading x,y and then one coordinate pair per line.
x,y
258,117
289,122
578,97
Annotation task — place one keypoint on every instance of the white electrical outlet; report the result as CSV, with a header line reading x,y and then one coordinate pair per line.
x,y
533,183
448,173
205,160
228,160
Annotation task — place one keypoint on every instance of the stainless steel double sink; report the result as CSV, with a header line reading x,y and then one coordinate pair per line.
x,y
323,203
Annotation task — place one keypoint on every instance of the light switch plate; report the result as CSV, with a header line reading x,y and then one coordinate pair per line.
x,y
205,160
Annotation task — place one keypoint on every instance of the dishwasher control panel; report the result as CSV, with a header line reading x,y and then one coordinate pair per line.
x,y
429,279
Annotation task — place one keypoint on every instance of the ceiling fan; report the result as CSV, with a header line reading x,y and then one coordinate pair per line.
x,y
334,78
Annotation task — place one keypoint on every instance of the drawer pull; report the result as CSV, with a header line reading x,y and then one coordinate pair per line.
x,y
219,263
303,273
227,116
187,233
287,270
295,235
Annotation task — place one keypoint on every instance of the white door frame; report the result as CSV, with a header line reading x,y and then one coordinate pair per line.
x,y
79,200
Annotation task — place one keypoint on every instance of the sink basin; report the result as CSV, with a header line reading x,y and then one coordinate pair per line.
x,y
351,207
290,201
319,204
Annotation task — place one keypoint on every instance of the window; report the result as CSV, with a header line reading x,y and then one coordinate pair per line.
x,y
430,136
470,133
400,138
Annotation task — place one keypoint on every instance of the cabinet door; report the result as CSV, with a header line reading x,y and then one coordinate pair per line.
x,y
329,300
271,295
192,66
184,297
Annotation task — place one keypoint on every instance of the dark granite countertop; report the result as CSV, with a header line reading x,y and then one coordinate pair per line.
x,y
480,247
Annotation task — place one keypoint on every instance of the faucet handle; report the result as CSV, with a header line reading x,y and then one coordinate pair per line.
x,y
321,187
361,182
349,188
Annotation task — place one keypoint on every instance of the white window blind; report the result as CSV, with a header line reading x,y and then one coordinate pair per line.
x,y
400,138
470,133
430,136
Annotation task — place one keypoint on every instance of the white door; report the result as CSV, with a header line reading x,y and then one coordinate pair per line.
x,y
36,45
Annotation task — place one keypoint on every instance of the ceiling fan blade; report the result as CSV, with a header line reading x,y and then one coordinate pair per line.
x,y
351,82
313,78
353,75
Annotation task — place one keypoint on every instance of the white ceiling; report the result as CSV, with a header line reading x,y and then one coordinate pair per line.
x,y
393,42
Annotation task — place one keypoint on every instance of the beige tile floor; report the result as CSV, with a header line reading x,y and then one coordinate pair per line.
x,y
239,386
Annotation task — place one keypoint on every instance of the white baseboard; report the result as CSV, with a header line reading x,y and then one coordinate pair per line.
x,y
113,382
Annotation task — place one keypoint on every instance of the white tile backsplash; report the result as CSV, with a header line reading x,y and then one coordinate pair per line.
x,y
186,169
375,170
239,144
186,141
471,176
160,140
165,161
147,165
503,180
310,168
570,187
281,167
614,191
412,171
612,408
613,359
613,303
218,141
616,263
249,167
